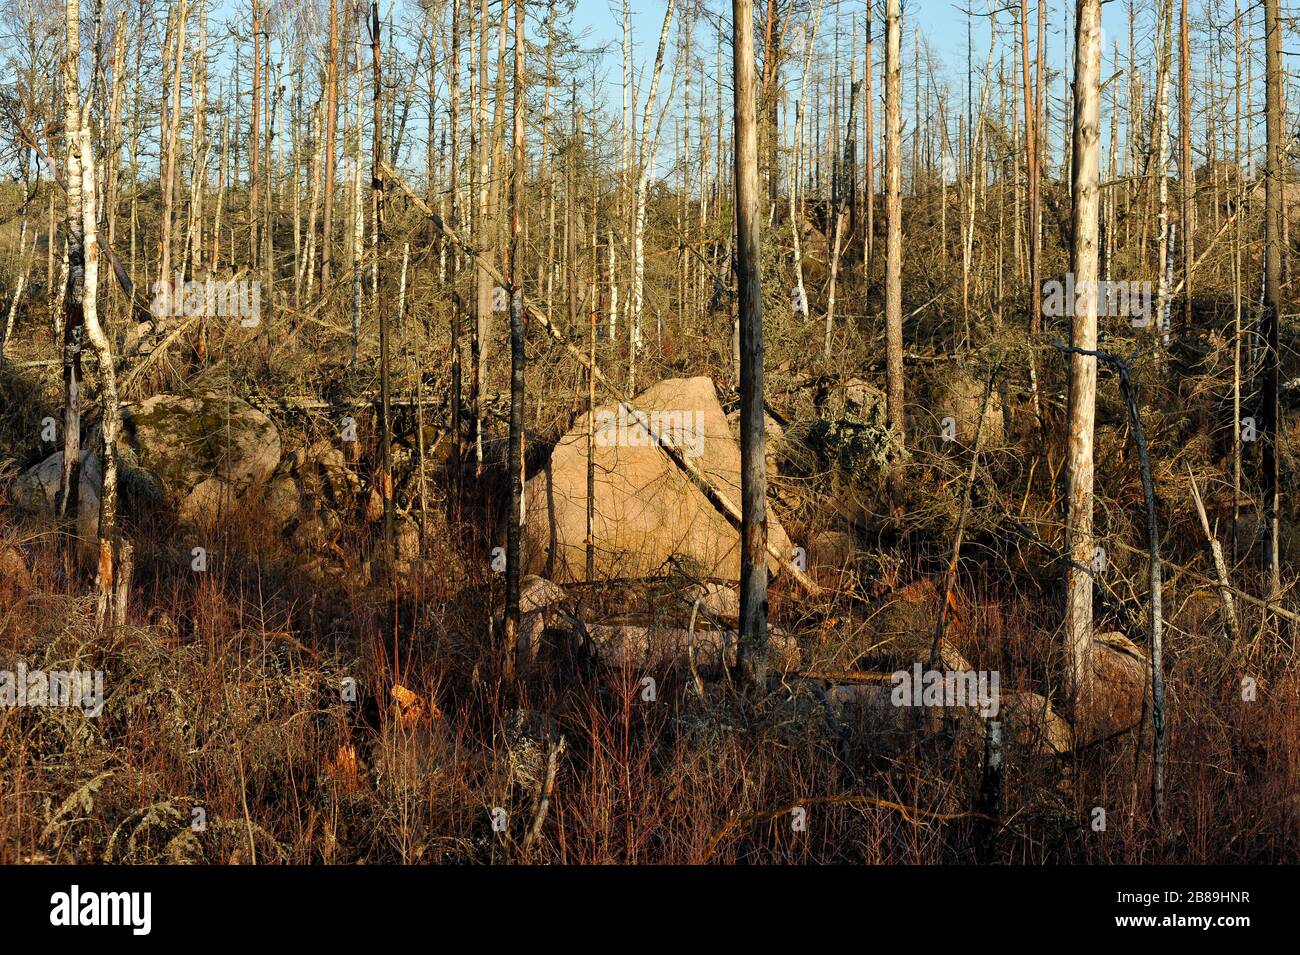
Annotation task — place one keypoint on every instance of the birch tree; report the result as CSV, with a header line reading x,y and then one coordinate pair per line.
x,y
645,151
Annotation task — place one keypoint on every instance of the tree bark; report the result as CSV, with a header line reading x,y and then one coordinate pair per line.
x,y
752,662
331,126
381,307
73,294
106,612
515,459
1270,410
1086,193
1187,172
894,222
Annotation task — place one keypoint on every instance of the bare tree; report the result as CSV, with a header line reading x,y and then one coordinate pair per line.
x,y
841,209
646,149
331,127
1031,175
1270,409
1187,172
894,221
172,126
75,275
1086,193
515,460
753,474
381,307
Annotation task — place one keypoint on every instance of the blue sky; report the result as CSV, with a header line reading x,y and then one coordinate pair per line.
x,y
942,26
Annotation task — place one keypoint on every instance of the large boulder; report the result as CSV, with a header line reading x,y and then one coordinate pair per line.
x,y
829,553
1121,674
1029,720
189,441
1289,446
773,434
542,604
958,394
37,489
648,514
847,458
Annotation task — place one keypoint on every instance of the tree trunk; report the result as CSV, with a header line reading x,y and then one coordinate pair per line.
x,y
1187,172
1031,205
254,140
515,459
381,307
106,612
868,158
841,213
331,126
1270,411
1086,194
483,238
752,662
73,294
894,223
172,130
645,153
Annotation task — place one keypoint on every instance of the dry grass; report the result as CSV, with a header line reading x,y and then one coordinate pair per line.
x,y
224,694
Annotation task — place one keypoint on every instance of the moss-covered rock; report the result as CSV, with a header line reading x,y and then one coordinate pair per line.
x,y
185,440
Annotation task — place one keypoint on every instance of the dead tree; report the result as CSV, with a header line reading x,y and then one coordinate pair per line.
x,y
752,659
1270,410
484,235
381,308
646,149
842,209
515,459
1086,191
1186,173
1155,617
73,294
254,136
868,156
1031,206
171,133
894,223
331,127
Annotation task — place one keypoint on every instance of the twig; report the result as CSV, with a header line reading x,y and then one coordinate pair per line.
x,y
544,794
1220,566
